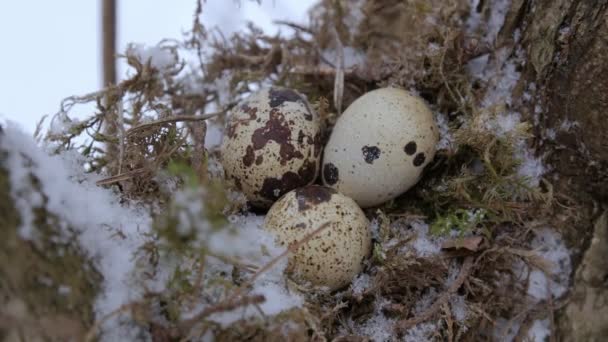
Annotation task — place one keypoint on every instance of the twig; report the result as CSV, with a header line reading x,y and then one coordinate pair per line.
x,y
293,26
181,118
339,80
227,305
271,263
90,336
403,325
121,177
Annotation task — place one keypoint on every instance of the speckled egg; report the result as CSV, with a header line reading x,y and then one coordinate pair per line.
x,y
272,145
379,146
334,255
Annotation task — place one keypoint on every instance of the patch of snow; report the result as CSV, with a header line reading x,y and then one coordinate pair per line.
x,y
246,239
550,246
459,308
355,16
446,139
110,232
352,57
378,327
531,168
61,124
421,332
498,12
221,86
540,331
278,299
567,125
361,283
159,58
506,330
423,245
214,136
476,66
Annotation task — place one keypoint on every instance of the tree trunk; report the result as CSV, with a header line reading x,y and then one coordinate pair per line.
x,y
108,51
566,43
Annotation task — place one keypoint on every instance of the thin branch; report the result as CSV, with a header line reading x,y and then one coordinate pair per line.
x,y
181,118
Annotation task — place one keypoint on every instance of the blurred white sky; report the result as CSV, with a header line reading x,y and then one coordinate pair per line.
x,y
50,49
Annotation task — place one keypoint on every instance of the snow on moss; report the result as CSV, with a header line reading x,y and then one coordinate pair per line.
x,y
159,58
110,232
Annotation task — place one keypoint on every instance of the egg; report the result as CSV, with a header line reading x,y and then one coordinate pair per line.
x,y
380,146
332,256
272,145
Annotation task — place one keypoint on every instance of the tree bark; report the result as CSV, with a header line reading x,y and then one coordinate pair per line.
x,y
566,42
108,51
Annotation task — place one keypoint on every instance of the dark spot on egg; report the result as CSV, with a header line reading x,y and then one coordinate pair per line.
x,y
249,156
410,148
301,225
330,173
259,160
273,188
370,153
277,130
312,195
237,183
419,159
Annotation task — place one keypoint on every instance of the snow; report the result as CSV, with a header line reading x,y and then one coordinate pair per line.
x,y
352,57
159,58
109,232
531,168
498,11
423,245
445,137
459,309
539,331
378,327
550,246
112,233
361,283
61,124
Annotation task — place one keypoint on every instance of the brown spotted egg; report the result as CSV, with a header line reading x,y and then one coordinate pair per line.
x,y
335,254
379,146
272,145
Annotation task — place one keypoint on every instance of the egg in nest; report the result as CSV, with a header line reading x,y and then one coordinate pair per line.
x,y
272,145
380,146
340,238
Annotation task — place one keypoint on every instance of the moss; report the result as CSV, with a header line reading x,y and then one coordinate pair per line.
x,y
51,276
